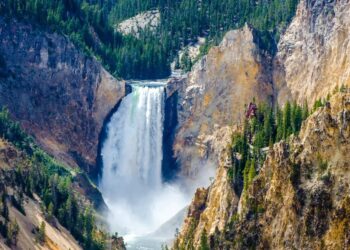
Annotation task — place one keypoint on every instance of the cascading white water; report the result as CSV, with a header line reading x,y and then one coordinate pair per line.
x,y
132,155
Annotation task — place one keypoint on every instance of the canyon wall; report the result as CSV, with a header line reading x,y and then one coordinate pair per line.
x,y
57,93
298,200
314,53
214,97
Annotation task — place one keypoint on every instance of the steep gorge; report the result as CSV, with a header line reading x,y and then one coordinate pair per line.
x,y
62,97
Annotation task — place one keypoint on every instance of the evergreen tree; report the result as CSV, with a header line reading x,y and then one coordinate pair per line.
x,y
296,117
41,234
252,172
246,175
52,182
265,128
204,241
269,126
12,233
287,128
279,121
50,210
305,110
5,210
318,103
91,25
186,63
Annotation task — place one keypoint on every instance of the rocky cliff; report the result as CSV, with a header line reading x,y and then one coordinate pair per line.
x,y
299,200
215,94
57,93
313,53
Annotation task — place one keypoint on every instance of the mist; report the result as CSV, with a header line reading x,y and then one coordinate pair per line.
x,y
138,200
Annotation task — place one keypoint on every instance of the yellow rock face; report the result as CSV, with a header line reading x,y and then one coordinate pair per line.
x,y
300,198
215,95
314,52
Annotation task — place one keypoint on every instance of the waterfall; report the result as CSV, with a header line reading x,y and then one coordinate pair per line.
x,y
131,181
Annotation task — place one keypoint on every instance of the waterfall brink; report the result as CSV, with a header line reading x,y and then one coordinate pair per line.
x,y
132,155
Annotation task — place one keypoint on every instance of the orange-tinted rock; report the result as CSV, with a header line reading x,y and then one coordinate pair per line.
x,y
216,94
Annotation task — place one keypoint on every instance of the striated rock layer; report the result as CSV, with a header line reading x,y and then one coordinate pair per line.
x,y
59,95
299,200
214,95
311,62
314,53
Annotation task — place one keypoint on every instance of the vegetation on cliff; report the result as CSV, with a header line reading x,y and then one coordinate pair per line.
x,y
263,126
91,25
300,186
293,197
39,174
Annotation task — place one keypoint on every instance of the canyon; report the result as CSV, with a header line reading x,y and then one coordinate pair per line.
x,y
299,199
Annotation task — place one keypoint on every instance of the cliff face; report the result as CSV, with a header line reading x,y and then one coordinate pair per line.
x,y
214,96
59,95
210,209
313,54
300,198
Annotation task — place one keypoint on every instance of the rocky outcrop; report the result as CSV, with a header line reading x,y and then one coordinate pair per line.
x,y
300,198
210,209
57,93
214,95
313,54
146,20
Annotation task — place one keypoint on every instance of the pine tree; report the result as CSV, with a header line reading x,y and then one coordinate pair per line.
x,y
5,209
252,172
186,63
50,210
269,126
318,103
279,121
204,245
305,110
12,233
41,233
246,175
287,128
177,63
